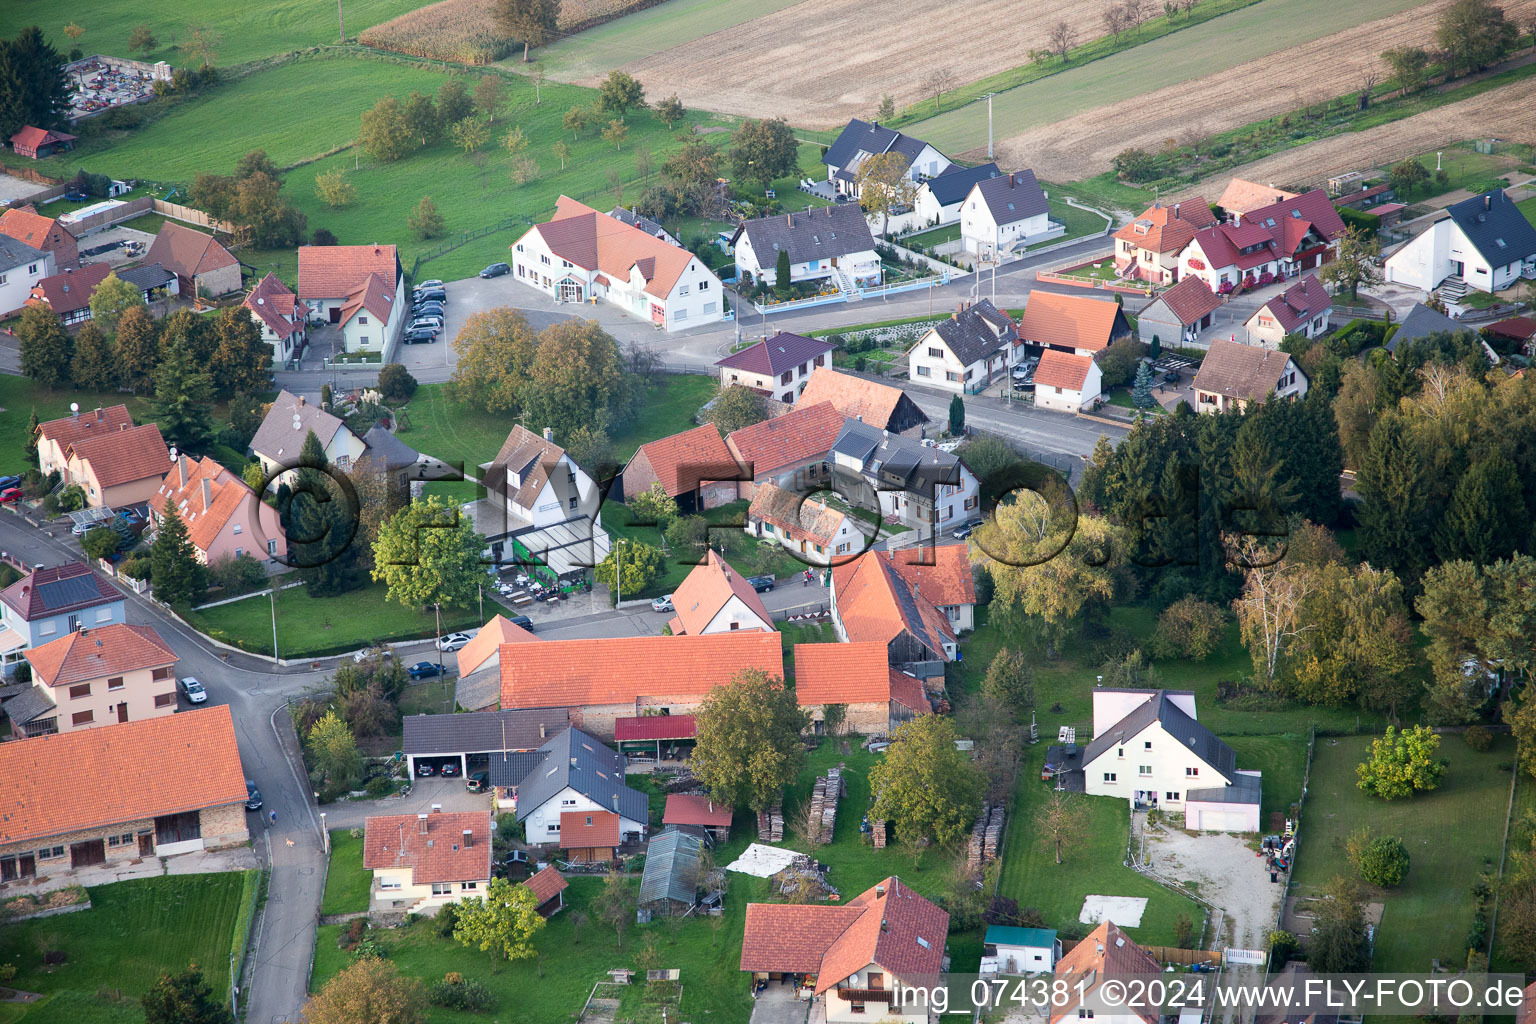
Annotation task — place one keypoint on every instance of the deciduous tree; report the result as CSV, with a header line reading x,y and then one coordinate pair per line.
x,y
532,21
370,991
1402,764
1355,264
1406,177
615,904
422,121
1061,821
384,133
183,998
1044,567
425,221
635,565
937,82
749,746
503,922
654,505
1381,860
575,120
736,407
670,110
111,299
619,94
470,133
562,151
887,108
142,39
1474,34
490,95
616,132
579,375
884,185
1409,65
762,150
333,188
1338,943
924,785
1061,39
428,552
495,351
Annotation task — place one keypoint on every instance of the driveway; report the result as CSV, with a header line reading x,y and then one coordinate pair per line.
x,y
777,1004
448,794
466,298
1226,874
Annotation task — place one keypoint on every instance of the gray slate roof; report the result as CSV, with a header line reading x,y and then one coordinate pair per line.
x,y
147,276
625,215
1421,322
1495,227
974,334
15,254
510,769
817,234
1014,197
482,731
863,137
857,440
906,462
671,868
277,437
1206,745
387,450
955,183
1245,789
32,703
575,759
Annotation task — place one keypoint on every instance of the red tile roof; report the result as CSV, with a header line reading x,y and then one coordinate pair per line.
x,y
48,591
133,771
796,515
1164,229
69,429
693,809
1070,321
1299,303
596,241
546,884
654,727
28,226
684,461
1518,327
853,397
618,670
1287,220
372,295
500,630
1190,300
909,693
1107,952
708,588
801,436
277,307
583,830
30,137
187,253
874,602
1062,370
852,673
98,653
1241,196
950,580
71,290
334,271
888,925
137,453
205,510
439,855
1223,245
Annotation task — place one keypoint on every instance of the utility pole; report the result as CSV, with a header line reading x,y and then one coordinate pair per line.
x,y
438,612
989,119
340,23
273,595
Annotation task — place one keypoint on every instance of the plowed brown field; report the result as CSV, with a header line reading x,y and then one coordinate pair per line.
x,y
1505,111
1084,145
821,62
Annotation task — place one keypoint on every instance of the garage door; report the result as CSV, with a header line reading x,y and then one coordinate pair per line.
x,y
1222,820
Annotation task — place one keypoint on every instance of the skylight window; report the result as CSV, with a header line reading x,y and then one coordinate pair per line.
x,y
1500,241
923,942
1296,214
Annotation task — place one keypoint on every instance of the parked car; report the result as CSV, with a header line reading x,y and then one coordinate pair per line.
x,y
662,604
9,495
761,584
429,294
420,336
449,770
81,529
428,309
523,621
252,796
370,652
433,283
423,670
431,323
496,270
421,303
425,770
964,530
7,482
453,642
193,689
478,782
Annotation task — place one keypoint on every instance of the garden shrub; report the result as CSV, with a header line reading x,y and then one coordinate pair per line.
x,y
1478,738
1381,860
1189,628
456,992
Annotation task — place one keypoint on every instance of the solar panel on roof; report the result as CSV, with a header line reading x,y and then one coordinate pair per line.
x,y
59,593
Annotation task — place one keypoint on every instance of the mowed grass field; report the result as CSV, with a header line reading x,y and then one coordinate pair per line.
x,y
133,933
1453,835
313,105
248,29
1213,46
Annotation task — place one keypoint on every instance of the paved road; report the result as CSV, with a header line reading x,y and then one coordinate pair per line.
x,y
255,692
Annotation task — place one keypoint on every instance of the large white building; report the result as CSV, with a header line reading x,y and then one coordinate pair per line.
x,y
1006,213
1485,241
578,774
21,267
962,353
860,140
581,255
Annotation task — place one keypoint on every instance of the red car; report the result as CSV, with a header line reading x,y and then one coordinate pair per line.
x,y
10,495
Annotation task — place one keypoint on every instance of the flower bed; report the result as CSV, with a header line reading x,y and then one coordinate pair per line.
x,y
44,904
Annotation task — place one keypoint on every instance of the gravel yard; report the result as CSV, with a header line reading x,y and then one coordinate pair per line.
x,y
1226,874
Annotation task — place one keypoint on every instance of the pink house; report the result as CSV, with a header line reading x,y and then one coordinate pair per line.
x,y
224,517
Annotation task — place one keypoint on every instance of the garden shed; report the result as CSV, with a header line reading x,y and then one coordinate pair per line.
x,y
670,884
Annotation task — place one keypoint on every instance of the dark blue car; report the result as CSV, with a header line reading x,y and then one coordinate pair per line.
x,y
423,670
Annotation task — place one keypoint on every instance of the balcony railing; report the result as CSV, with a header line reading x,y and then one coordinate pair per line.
x,y
865,995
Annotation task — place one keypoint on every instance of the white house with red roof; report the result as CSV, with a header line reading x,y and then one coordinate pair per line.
x,y
280,317
1067,382
715,598
853,955
422,861
581,255
1300,309
1269,243
359,288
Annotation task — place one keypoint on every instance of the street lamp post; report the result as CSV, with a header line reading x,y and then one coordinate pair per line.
x,y
272,596
437,611
618,573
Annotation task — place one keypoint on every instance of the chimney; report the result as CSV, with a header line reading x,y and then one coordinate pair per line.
x,y
880,889
99,414
469,835
1488,201
549,433
302,400
437,808
421,824
615,802
543,731
1175,211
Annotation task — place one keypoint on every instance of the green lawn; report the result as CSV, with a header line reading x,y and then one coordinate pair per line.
x,y
1283,760
1215,45
1430,914
20,395
247,28
1078,222
323,98
456,433
1464,166
347,882
133,933
935,236
314,626
1528,207
1093,868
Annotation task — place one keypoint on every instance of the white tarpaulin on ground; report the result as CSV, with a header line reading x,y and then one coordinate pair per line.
x,y
767,861
1124,911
